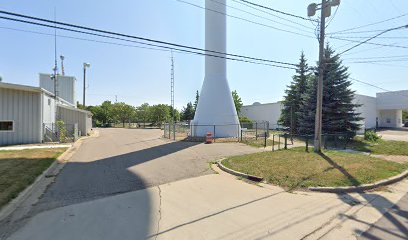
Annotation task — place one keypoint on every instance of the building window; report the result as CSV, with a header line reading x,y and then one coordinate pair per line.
x,y
388,120
49,102
6,125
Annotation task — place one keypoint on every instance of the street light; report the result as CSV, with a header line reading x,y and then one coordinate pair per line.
x,y
86,65
325,8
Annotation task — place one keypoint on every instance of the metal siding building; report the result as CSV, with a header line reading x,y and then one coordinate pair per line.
x,y
72,115
25,109
65,86
22,106
386,108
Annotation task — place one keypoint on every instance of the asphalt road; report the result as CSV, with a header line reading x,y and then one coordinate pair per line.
x,y
124,160
392,226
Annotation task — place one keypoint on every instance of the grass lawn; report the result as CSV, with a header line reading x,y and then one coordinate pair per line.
x,y
383,147
19,169
296,168
260,142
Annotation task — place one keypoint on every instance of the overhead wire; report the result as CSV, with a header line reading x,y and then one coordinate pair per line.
x,y
244,19
174,46
375,86
367,25
275,10
262,17
271,14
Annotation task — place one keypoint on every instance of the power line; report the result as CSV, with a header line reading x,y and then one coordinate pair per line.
x,y
178,46
275,10
244,19
381,57
85,39
371,38
372,85
371,24
262,17
271,14
380,61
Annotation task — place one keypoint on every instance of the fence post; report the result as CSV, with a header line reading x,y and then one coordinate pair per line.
x,y
273,142
174,131
256,130
307,144
241,135
325,141
265,141
214,134
169,131
279,142
286,140
238,131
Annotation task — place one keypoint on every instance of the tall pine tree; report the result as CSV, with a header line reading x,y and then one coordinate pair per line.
x,y
293,100
339,114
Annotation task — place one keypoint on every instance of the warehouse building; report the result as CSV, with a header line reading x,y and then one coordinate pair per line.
x,y
384,110
28,114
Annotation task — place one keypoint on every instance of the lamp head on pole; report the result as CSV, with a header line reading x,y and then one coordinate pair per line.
x,y
87,65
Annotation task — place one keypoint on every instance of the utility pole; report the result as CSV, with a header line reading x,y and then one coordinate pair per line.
x,y
83,99
325,11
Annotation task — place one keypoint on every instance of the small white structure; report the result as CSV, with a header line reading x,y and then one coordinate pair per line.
x,y
26,111
216,111
384,110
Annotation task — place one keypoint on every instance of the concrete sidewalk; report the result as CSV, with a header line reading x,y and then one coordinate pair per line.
x,y
216,206
40,146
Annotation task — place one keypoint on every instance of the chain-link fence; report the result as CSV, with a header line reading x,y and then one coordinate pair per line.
x,y
61,133
244,132
329,141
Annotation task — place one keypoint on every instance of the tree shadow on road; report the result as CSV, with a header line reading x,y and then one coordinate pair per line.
x,y
105,181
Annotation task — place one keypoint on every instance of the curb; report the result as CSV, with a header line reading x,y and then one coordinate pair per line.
x,y
238,174
50,172
361,188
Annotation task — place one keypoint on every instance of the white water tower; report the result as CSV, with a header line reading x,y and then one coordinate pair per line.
x,y
215,106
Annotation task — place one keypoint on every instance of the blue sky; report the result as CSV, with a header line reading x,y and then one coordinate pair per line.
x,y
140,75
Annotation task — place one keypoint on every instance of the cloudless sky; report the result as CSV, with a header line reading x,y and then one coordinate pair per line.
x,y
138,75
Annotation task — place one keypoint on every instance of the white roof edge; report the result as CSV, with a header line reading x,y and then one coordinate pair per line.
x,y
262,104
20,87
73,108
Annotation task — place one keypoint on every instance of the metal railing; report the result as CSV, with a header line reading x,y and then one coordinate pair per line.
x,y
60,133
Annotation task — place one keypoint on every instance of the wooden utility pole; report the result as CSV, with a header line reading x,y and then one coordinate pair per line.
x,y
319,102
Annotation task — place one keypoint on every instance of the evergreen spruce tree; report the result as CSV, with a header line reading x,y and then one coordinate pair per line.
x,y
293,99
196,100
339,114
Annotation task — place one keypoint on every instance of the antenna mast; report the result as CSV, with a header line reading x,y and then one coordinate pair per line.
x,y
62,65
55,69
172,88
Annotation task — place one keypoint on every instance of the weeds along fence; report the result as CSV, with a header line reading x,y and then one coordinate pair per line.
x,y
63,133
254,131
329,141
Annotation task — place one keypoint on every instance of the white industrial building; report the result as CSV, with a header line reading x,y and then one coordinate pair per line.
x,y
384,110
26,111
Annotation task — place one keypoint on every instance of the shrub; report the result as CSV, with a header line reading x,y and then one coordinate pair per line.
x,y
244,119
371,136
62,131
